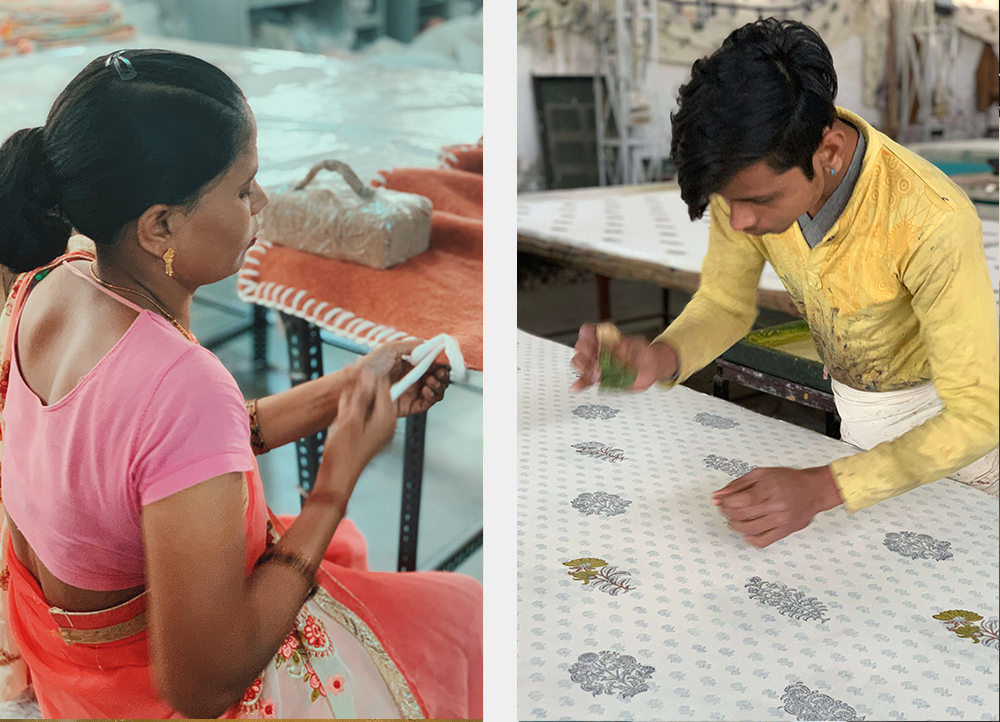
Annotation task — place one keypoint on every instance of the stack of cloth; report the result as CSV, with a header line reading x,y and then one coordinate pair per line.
x,y
26,26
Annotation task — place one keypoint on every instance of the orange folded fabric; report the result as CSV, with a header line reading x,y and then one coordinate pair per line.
x,y
465,157
440,291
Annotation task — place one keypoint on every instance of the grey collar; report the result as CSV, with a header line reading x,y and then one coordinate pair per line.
x,y
813,229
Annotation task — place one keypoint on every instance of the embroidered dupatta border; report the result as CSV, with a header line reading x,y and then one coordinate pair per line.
x,y
409,708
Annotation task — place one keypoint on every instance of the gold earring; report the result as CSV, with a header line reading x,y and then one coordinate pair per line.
x,y
168,257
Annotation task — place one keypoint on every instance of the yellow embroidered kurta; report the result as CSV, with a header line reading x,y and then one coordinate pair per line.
x,y
897,294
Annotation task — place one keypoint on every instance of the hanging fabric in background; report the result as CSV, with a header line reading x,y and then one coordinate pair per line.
x,y
979,18
689,30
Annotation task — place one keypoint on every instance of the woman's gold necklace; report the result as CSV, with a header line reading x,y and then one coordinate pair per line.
x,y
187,334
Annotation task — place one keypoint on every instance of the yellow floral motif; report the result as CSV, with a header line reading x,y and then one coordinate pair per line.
x,y
960,621
585,569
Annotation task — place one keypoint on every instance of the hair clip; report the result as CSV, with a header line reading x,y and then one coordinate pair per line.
x,y
122,65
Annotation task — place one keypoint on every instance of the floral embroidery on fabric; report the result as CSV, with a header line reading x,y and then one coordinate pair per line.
x,y
4,381
269,710
716,422
4,578
788,601
7,658
336,684
601,502
313,635
595,411
963,623
807,704
296,655
917,546
606,578
599,451
251,698
611,673
733,467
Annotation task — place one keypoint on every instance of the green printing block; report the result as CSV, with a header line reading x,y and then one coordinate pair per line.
x,y
615,374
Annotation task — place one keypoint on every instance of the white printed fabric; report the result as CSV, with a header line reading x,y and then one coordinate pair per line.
x,y
635,600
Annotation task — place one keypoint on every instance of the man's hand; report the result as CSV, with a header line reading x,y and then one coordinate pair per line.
x,y
766,505
652,362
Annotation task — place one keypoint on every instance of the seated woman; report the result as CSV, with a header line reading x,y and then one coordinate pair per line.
x,y
147,577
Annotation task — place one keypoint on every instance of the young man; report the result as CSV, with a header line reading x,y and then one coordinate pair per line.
x,y
881,254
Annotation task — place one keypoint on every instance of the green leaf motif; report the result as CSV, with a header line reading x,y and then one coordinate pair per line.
x,y
590,562
969,631
315,695
952,613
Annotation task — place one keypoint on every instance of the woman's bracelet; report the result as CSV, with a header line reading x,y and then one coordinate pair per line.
x,y
256,442
304,568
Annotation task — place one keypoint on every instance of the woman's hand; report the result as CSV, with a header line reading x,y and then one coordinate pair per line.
x,y
364,426
387,360
765,505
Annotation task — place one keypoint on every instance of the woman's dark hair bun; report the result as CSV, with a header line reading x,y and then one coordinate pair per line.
x,y
34,229
115,144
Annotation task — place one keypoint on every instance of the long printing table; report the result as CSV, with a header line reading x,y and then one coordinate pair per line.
x,y
643,233
635,600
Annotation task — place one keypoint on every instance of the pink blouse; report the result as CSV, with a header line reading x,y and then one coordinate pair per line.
x,y
156,415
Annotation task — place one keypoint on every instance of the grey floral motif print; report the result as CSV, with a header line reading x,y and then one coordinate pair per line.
x,y
611,673
600,451
716,422
788,601
595,411
807,704
917,546
607,578
601,502
733,467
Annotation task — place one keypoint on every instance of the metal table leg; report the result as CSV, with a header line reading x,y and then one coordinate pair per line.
x,y
305,356
413,479
305,360
604,297
259,338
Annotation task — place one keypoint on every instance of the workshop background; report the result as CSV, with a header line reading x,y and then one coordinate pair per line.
x,y
597,81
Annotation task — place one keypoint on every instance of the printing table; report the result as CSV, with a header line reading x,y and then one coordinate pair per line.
x,y
637,602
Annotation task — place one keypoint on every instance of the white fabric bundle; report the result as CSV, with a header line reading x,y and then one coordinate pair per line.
x,y
422,358
869,418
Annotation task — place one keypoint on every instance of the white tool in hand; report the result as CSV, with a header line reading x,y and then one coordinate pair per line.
x,y
423,356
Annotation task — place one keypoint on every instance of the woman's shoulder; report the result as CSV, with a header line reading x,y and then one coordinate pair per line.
x,y
187,366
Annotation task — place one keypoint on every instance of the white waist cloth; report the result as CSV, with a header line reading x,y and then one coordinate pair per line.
x,y
869,418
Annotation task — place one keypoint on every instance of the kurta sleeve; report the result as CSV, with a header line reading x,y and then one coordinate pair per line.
x,y
724,307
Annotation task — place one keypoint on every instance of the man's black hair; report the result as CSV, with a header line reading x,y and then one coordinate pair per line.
x,y
766,94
